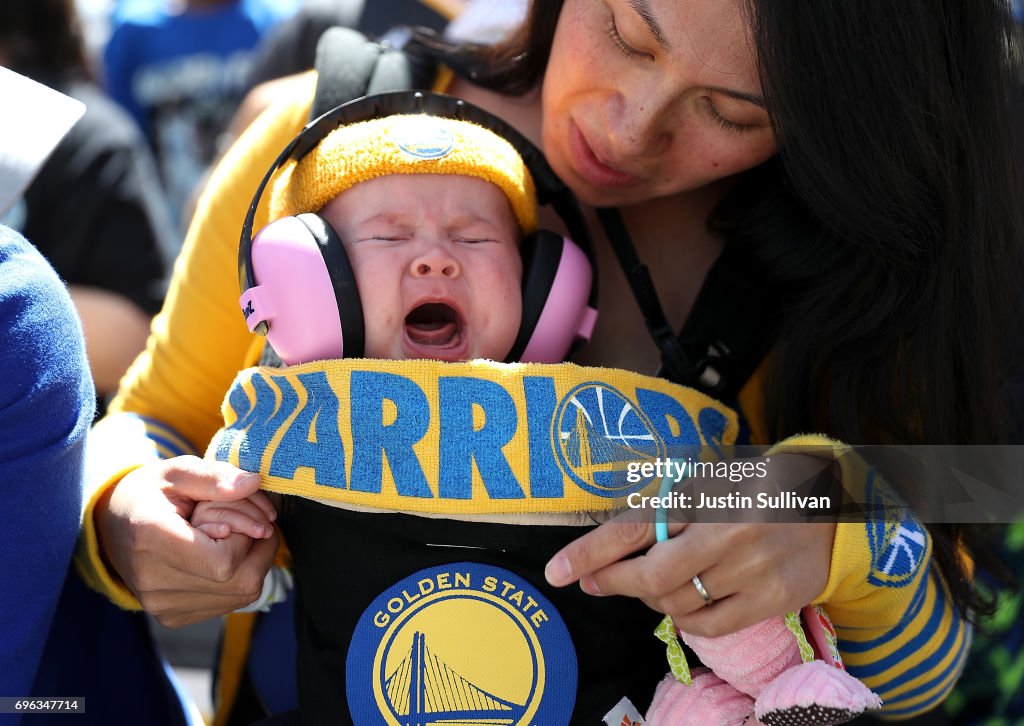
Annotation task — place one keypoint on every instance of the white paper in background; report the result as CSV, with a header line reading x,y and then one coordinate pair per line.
x,y
624,714
33,118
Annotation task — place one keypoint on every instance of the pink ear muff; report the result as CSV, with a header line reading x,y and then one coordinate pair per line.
x,y
567,317
294,294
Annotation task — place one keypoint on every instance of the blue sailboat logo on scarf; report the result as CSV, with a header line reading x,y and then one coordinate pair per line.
x,y
599,433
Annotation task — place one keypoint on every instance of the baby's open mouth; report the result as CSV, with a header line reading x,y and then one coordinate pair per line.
x,y
434,324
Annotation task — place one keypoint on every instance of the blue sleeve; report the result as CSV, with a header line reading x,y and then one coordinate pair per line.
x,y
120,63
46,406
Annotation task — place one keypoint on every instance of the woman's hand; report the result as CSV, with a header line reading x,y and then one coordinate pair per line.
x,y
180,575
751,571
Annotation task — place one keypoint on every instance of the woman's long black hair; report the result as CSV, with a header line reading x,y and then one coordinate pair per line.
x,y
890,222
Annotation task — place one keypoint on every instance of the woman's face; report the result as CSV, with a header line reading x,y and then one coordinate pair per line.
x,y
648,98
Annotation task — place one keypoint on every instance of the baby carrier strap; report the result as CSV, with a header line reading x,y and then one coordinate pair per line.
x,y
732,326
729,330
349,65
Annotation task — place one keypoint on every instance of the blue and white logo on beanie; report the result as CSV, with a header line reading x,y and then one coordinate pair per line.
x,y
425,138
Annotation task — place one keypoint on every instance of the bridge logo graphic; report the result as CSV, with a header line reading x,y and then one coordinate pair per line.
x,y
464,643
597,432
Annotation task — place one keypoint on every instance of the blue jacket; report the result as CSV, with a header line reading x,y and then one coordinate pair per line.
x,y
57,637
46,406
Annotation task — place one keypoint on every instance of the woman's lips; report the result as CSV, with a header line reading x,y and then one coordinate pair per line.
x,y
591,168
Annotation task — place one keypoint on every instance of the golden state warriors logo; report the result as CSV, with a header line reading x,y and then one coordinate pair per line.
x,y
897,538
597,432
463,643
425,139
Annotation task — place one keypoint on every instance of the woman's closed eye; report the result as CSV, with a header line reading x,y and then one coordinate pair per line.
x,y
625,48
740,119
712,111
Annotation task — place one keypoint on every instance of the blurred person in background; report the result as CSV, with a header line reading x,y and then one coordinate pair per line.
x,y
180,69
95,208
290,48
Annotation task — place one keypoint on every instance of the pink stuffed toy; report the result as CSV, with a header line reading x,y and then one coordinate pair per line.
x,y
764,674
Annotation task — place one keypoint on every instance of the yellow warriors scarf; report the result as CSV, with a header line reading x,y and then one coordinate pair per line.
x,y
464,438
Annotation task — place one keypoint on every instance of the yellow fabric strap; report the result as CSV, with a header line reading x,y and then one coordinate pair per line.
x,y
237,639
463,438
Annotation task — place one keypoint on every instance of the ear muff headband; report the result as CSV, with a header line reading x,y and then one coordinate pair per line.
x,y
549,188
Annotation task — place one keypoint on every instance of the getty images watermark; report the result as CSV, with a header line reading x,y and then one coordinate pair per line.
x,y
939,484
675,471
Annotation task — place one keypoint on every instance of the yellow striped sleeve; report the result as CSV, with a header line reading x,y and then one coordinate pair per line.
x,y
898,629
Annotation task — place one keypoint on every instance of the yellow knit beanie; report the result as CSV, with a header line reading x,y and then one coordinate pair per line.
x,y
404,144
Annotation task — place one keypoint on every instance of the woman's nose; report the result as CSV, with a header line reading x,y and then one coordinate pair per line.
x,y
639,126
435,261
